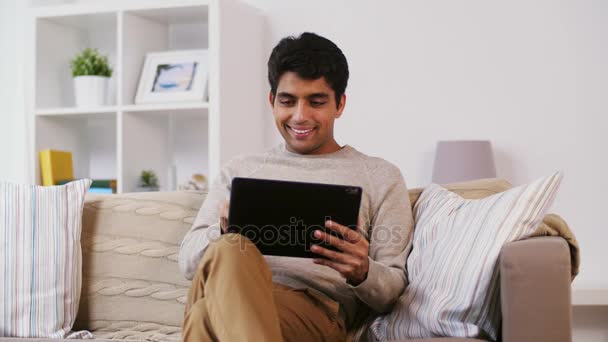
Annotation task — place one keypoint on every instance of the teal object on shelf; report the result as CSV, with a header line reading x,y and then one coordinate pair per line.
x,y
100,190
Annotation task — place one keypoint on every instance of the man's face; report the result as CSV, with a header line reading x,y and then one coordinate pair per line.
x,y
304,112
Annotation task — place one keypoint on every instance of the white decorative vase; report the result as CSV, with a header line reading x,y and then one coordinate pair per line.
x,y
90,91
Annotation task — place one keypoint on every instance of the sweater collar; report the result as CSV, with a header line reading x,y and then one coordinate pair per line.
x,y
344,150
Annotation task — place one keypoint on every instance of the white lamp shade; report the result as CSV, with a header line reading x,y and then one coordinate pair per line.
x,y
459,161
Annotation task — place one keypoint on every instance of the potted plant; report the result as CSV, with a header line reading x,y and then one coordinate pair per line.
x,y
91,72
148,181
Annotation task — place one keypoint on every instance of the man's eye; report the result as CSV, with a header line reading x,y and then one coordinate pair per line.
x,y
317,103
286,102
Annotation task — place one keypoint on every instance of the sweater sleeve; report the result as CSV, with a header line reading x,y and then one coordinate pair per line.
x,y
391,231
206,227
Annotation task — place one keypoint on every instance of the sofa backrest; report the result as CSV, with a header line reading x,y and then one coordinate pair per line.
x,y
475,189
132,287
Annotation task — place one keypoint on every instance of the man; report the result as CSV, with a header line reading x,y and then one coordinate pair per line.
x,y
239,295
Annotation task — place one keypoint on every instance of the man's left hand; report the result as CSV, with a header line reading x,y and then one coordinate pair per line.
x,y
351,259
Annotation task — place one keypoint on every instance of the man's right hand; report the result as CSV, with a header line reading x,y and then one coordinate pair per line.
x,y
224,216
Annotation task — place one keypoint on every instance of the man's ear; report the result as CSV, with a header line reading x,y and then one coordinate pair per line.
x,y
341,106
271,99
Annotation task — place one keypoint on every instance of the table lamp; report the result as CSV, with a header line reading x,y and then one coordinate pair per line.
x,y
463,160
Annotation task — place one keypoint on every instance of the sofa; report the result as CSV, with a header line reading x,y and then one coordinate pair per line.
x,y
132,288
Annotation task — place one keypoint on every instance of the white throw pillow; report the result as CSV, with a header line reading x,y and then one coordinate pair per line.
x,y
452,270
40,258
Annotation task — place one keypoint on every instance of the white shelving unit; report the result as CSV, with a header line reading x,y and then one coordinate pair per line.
x,y
121,139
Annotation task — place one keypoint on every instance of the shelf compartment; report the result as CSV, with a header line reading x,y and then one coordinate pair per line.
x,y
91,138
58,40
173,145
157,30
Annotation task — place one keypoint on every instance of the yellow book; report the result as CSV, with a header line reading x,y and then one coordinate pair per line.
x,y
55,166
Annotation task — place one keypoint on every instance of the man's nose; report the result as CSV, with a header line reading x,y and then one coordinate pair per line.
x,y
301,112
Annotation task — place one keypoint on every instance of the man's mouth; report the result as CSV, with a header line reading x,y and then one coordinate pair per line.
x,y
301,132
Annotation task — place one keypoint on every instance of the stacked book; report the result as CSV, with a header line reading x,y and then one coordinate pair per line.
x,y
56,168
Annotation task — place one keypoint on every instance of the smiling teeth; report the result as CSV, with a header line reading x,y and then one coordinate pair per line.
x,y
301,131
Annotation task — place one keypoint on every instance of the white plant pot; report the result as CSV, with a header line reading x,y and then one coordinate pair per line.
x,y
90,91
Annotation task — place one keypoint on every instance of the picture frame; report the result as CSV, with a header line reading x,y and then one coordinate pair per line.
x,y
174,76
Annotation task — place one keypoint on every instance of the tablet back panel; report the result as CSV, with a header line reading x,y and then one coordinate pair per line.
x,y
280,217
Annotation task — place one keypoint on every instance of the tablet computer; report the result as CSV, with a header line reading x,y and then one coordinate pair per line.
x,y
280,217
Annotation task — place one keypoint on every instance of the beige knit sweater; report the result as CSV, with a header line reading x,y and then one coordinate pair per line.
x,y
385,215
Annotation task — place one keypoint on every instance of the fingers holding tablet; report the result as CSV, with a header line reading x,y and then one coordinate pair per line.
x,y
351,258
224,216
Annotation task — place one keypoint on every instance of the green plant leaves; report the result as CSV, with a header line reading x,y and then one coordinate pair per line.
x,y
90,62
148,178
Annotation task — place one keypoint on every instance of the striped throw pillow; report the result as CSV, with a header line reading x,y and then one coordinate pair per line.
x,y
452,270
40,258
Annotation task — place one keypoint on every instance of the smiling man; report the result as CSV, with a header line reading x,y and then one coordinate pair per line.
x,y
239,295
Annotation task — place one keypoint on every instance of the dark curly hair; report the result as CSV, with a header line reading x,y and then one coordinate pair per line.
x,y
311,57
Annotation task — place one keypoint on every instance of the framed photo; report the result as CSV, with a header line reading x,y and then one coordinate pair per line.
x,y
174,76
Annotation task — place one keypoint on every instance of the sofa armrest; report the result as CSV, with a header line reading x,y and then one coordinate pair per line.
x,y
535,290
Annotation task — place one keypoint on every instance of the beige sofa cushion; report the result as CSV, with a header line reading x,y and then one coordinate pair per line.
x,y
132,287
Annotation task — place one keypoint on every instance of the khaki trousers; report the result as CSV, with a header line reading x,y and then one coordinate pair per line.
x,y
233,298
